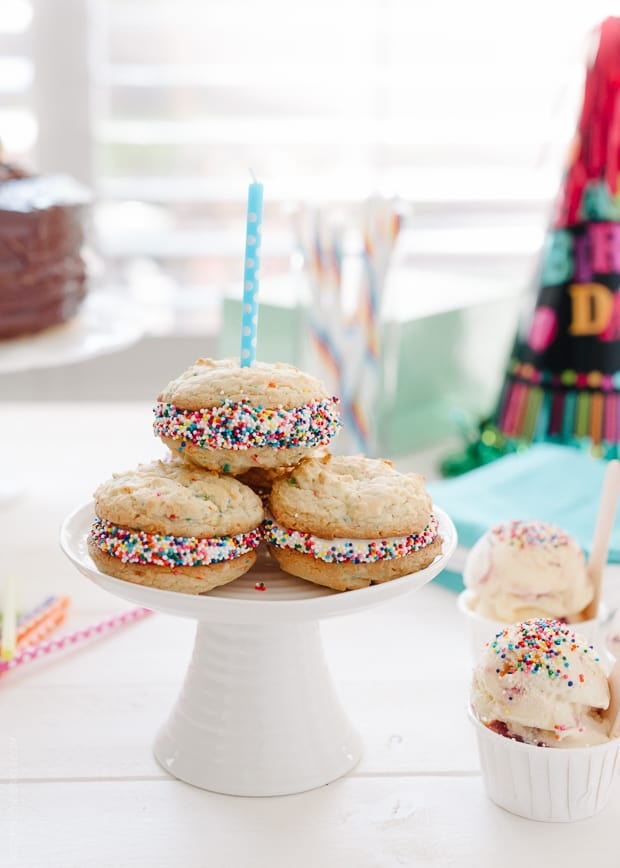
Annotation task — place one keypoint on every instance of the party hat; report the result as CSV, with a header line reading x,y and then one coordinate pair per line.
x,y
563,379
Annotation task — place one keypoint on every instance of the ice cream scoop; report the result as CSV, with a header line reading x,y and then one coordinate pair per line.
x,y
541,683
527,569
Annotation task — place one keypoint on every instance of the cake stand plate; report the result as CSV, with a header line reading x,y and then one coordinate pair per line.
x,y
105,323
258,714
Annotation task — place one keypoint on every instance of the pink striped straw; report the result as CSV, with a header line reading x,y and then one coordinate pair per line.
x,y
92,632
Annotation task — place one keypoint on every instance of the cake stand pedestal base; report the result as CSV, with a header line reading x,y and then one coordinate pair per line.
x,y
257,714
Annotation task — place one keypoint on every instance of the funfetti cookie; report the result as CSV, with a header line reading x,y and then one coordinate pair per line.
x,y
231,419
174,526
261,479
348,522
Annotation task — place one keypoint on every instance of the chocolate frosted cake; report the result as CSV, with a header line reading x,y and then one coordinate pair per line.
x,y
42,273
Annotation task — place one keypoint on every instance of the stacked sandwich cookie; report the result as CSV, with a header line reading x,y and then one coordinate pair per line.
x,y
250,440
175,527
348,522
233,420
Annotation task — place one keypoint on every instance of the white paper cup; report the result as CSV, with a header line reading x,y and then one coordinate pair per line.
x,y
483,629
553,785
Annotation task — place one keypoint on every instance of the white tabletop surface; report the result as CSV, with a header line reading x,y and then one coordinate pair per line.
x,y
79,785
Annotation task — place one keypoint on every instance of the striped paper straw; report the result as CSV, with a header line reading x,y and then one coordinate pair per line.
x,y
322,244
54,611
23,617
30,614
39,629
92,632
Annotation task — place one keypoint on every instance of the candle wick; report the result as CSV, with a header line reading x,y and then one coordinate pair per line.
x,y
253,175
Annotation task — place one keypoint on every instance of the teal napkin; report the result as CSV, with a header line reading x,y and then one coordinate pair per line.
x,y
558,484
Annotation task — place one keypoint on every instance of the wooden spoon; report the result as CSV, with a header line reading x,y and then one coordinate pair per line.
x,y
602,534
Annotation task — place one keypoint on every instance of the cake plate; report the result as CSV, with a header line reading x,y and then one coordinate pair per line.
x,y
104,324
258,714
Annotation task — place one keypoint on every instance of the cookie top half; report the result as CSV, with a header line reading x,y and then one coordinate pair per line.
x,y
179,499
350,496
209,382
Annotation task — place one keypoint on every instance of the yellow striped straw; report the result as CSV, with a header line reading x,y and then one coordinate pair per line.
x,y
9,620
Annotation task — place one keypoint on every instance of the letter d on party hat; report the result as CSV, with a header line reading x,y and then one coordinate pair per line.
x,y
563,380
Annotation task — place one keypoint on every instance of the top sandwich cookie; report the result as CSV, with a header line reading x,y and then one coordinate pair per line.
x,y
174,526
347,522
230,419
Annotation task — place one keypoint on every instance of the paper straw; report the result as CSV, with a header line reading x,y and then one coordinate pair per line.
x,y
31,614
348,344
22,617
602,533
45,629
381,228
41,625
29,626
359,424
324,255
92,632
331,360
327,352
9,620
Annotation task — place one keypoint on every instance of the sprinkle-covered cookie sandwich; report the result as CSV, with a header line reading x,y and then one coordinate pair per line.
x,y
231,419
348,522
175,526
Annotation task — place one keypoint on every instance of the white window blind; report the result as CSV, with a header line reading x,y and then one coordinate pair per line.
x,y
18,127
464,110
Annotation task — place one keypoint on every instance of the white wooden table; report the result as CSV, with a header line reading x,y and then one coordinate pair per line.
x,y
79,786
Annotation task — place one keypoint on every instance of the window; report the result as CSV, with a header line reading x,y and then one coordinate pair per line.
x,y
18,128
464,110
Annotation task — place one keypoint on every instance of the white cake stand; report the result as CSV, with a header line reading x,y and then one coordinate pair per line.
x,y
105,323
258,714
